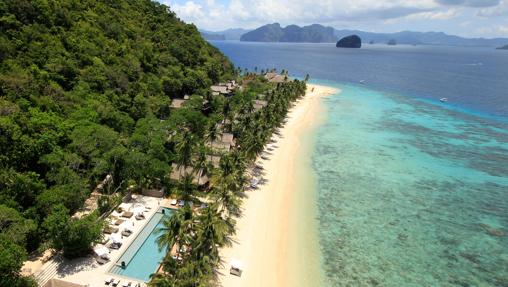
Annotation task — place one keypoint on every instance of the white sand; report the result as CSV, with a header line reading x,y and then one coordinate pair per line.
x,y
276,236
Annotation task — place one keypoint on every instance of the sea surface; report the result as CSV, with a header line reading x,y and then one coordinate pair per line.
x,y
410,191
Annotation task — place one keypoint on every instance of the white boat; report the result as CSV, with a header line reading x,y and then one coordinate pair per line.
x,y
362,82
443,100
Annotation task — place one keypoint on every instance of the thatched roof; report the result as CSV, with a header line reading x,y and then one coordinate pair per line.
x,y
177,103
228,138
214,159
275,78
219,145
220,89
177,173
259,104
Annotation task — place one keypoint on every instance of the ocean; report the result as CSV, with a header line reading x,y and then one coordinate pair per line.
x,y
410,191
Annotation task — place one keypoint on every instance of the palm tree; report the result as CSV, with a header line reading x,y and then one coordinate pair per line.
x,y
175,229
213,232
213,132
185,147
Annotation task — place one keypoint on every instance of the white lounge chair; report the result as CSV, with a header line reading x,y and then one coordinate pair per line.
x,y
115,283
109,280
236,268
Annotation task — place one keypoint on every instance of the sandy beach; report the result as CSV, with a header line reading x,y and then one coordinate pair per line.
x,y
276,236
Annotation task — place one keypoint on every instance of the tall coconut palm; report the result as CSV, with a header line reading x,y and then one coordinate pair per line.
x,y
184,148
175,229
213,232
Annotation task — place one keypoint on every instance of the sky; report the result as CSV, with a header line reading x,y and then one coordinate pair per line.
x,y
468,18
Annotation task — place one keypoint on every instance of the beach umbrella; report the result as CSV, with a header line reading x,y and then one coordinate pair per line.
x,y
126,225
115,238
125,206
101,251
138,209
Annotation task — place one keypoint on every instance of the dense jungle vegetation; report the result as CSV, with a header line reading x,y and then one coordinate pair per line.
x,y
85,92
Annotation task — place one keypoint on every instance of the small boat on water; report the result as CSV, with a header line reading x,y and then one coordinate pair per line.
x,y
362,82
443,100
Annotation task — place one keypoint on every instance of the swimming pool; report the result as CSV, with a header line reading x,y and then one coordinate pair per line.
x,y
143,256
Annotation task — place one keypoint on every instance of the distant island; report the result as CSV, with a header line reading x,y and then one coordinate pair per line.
x,y
213,37
229,34
505,47
352,41
321,34
292,33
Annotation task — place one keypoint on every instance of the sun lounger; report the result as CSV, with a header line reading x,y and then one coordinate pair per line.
x,y
114,247
127,284
101,260
119,221
126,233
236,268
174,202
127,214
109,281
114,284
140,216
110,229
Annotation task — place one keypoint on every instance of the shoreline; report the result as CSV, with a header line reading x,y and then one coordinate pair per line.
x,y
278,230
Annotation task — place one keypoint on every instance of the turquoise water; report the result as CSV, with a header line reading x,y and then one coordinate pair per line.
x,y
410,193
143,256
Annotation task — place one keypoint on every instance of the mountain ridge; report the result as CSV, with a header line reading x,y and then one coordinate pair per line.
x,y
228,34
296,34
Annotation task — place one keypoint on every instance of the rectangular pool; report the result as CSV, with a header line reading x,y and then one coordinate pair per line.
x,y
143,256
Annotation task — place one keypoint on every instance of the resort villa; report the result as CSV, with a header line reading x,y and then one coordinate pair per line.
x,y
276,78
225,89
179,172
259,104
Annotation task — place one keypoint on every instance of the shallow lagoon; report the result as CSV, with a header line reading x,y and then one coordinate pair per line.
x,y
410,193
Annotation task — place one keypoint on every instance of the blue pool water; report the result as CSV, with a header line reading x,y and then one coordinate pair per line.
x,y
143,256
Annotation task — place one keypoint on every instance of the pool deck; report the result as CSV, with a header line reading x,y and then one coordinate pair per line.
x,y
86,271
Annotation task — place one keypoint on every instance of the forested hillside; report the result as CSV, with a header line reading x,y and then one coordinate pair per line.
x,y
85,88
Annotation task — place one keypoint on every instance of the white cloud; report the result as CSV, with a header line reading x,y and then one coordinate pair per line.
x,y
500,10
189,10
374,15
436,15
251,13
500,30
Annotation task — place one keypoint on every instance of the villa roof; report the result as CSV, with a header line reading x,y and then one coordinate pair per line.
x,y
177,173
269,76
222,146
220,89
227,138
177,103
259,104
214,159
275,78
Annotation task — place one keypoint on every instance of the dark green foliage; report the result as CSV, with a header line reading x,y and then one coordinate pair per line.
x,y
79,235
12,256
103,204
85,89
